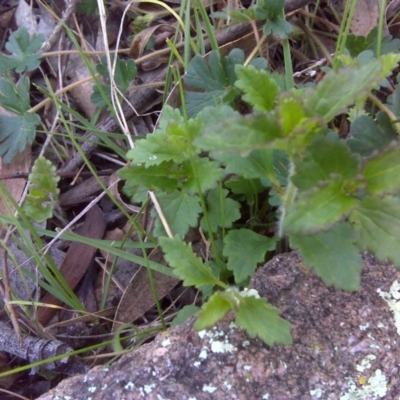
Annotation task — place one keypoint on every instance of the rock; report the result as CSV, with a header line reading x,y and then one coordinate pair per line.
x,y
345,346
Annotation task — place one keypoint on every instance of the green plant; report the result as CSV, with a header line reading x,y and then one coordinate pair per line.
x,y
18,129
43,192
334,200
125,72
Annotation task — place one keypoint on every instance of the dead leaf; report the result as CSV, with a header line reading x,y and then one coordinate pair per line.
x,y
83,191
20,165
365,17
138,297
77,260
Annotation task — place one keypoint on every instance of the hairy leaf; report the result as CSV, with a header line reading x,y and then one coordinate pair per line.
x,y
245,249
367,136
43,193
248,187
240,134
333,255
23,49
382,173
216,79
260,89
222,211
212,311
357,44
180,210
124,73
187,266
184,314
292,114
325,158
160,147
338,90
88,7
201,174
261,319
377,224
278,27
269,9
15,98
318,209
163,177
16,133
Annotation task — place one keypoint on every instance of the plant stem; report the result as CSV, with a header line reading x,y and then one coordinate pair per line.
x,y
288,199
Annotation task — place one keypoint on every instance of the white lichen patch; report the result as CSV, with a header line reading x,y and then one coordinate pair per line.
x,y
209,388
365,363
316,393
249,293
92,389
393,300
149,388
375,388
202,334
227,385
197,364
218,341
364,327
129,386
248,367
203,353
266,396
222,347
166,342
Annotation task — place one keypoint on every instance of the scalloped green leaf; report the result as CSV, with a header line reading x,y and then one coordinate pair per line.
x,y
333,255
201,174
163,177
376,222
382,173
187,266
180,210
240,134
339,89
367,136
173,145
16,133
24,51
221,210
260,89
212,311
184,314
262,319
326,157
43,192
216,78
243,259
318,209
15,98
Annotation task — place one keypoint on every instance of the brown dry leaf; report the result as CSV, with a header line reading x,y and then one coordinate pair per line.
x,y
7,10
82,192
365,17
138,297
6,381
21,164
78,259
140,42
115,192
123,269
